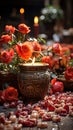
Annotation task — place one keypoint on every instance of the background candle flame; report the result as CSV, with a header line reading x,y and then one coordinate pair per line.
x,y
22,10
35,20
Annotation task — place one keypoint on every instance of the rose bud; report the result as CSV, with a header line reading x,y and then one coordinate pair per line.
x,y
12,105
8,127
42,125
35,115
42,112
17,126
21,121
1,126
7,122
47,117
2,114
2,119
63,112
58,87
50,107
71,113
66,107
6,105
29,122
10,113
24,113
56,118
58,110
13,118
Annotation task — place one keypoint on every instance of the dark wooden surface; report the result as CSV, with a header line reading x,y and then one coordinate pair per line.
x,y
65,124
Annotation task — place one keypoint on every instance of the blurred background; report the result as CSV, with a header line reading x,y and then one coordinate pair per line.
x,y
10,14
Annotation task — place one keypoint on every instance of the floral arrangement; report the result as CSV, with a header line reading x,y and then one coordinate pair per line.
x,y
69,73
60,61
15,50
8,42
16,47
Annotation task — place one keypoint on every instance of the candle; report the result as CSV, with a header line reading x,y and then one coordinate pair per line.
x,y
35,64
38,66
32,67
22,14
36,27
33,80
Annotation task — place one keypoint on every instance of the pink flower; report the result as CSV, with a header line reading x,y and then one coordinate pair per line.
x,y
56,48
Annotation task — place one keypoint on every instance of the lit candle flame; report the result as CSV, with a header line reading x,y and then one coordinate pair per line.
x,y
35,20
33,60
22,11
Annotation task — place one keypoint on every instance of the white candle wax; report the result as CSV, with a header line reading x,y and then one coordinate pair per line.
x,y
35,64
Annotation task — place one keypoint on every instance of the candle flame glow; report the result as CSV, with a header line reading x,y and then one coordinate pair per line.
x,y
35,20
33,60
22,11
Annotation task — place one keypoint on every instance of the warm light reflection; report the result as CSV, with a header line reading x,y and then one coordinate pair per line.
x,y
22,10
33,60
35,20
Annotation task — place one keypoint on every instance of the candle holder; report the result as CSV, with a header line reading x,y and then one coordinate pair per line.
x,y
33,81
8,78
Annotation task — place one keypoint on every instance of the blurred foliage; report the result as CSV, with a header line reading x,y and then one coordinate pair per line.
x,y
51,13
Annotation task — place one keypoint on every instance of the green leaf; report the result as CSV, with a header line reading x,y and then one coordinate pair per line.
x,y
41,40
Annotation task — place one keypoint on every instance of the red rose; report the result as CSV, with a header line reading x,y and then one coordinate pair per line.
x,y
71,55
44,47
56,48
24,29
57,86
65,50
24,50
64,60
10,94
11,51
36,48
47,59
53,81
9,29
56,64
6,56
69,73
5,38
